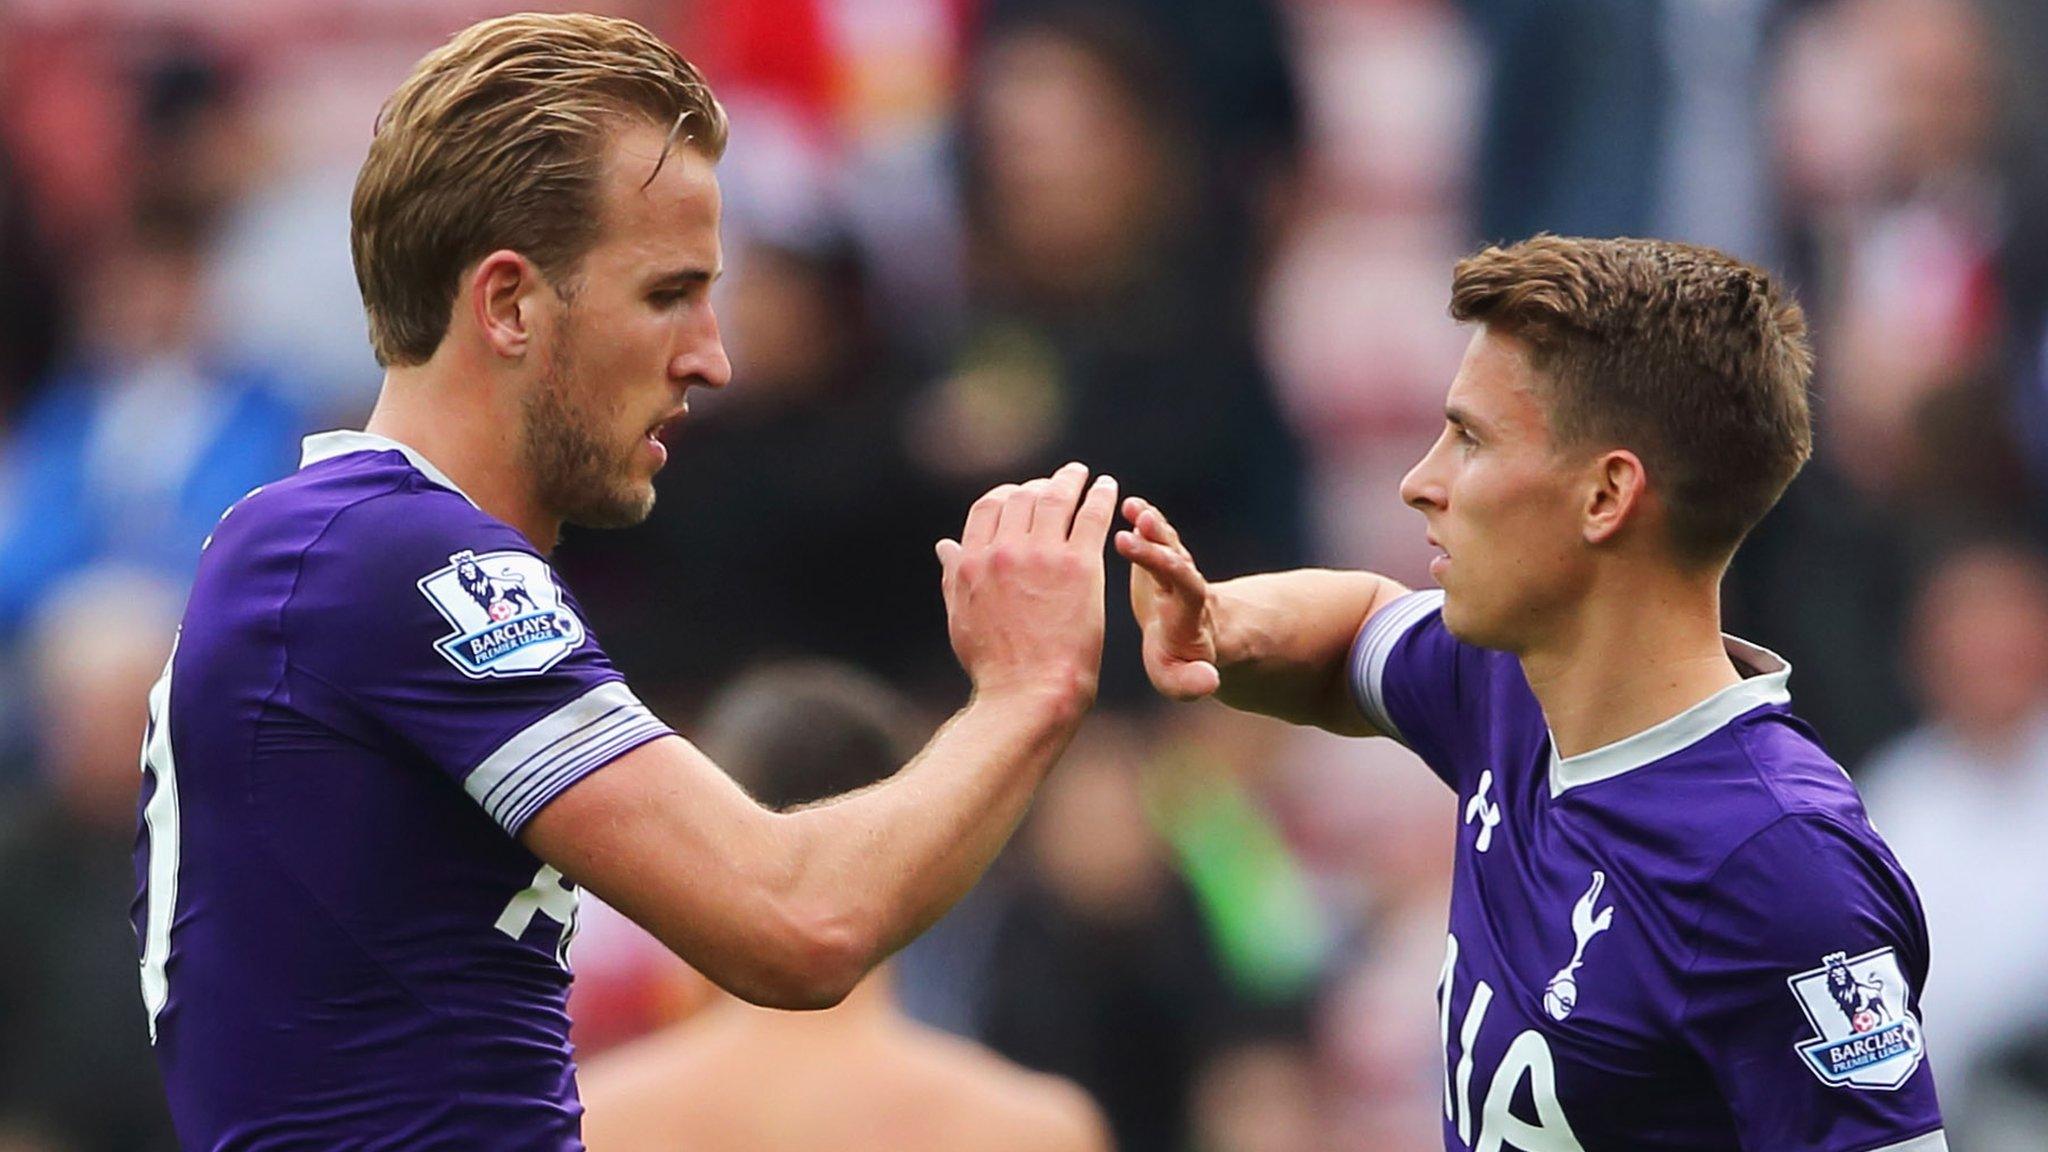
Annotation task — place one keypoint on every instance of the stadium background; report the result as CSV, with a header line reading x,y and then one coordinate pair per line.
x,y
1203,244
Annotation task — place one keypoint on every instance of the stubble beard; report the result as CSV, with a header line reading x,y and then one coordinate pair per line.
x,y
577,475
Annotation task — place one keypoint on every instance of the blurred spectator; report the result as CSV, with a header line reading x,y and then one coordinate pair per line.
x,y
32,317
1233,66
1108,326
851,102
1625,118
1259,1096
1893,155
74,1049
1963,799
1890,156
136,447
1372,820
1101,969
858,1076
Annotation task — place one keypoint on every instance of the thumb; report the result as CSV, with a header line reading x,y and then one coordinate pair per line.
x,y
948,551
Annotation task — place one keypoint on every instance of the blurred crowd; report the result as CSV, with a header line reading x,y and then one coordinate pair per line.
x,y
1201,244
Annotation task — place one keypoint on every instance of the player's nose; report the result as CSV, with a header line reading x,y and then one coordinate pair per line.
x,y
705,364
1423,487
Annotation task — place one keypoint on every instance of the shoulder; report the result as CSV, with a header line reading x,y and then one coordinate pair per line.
x,y
1016,1108
363,522
1758,783
361,493
630,1091
1808,884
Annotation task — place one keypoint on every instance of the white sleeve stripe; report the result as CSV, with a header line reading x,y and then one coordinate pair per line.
x,y
513,776
1935,1141
551,753
537,772
1375,643
589,761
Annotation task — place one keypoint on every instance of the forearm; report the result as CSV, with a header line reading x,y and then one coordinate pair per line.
x,y
893,858
1283,638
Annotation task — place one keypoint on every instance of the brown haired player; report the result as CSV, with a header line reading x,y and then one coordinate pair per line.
x,y
387,751
1672,926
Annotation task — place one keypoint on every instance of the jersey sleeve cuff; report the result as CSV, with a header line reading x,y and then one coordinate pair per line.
x,y
1375,644
559,749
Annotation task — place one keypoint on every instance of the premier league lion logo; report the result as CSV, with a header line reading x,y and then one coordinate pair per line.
x,y
1862,1001
501,595
1860,1007
507,614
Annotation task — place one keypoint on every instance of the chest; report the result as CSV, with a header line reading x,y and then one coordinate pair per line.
x,y
1560,995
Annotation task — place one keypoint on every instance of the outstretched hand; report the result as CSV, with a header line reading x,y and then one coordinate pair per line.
x,y
1024,584
1170,599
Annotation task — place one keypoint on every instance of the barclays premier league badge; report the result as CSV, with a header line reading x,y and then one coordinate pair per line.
x,y
508,616
1866,1037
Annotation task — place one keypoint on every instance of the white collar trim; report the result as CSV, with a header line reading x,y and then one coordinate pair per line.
x,y
1766,676
327,445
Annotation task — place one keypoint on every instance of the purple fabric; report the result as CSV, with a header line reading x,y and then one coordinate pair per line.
x,y
1711,949
361,954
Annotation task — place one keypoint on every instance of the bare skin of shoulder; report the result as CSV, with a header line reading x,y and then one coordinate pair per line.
x,y
861,1077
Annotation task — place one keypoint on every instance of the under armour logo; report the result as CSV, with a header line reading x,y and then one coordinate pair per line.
x,y
550,896
1562,994
1483,810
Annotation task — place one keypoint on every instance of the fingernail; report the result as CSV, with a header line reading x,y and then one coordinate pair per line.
x,y
1104,480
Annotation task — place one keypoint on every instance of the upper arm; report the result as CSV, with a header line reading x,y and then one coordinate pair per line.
x,y
457,648
1411,680
1806,1063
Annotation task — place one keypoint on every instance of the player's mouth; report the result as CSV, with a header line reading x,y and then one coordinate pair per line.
x,y
661,430
1439,562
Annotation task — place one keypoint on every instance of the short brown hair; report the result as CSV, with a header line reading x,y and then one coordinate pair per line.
x,y
1691,358
497,140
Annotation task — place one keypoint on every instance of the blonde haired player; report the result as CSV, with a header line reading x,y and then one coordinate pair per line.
x,y
387,753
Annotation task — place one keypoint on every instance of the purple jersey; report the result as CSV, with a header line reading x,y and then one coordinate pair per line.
x,y
344,945
1688,939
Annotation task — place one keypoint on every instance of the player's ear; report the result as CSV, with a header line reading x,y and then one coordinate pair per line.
x,y
500,292
1619,487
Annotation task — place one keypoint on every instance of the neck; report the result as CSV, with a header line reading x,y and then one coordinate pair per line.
x,y
1630,659
462,424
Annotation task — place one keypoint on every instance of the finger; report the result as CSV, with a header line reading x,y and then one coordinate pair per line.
x,y
1134,507
1153,525
1018,508
1172,567
1098,507
948,551
983,517
1056,501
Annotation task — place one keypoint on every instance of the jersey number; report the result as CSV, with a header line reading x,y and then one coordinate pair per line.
x,y
1528,1056
160,815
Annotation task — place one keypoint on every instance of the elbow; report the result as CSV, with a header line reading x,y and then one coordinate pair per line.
x,y
810,961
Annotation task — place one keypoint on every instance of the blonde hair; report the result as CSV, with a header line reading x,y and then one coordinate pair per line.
x,y
497,140
1691,358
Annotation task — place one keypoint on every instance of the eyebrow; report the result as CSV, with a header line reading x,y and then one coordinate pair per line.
x,y
685,278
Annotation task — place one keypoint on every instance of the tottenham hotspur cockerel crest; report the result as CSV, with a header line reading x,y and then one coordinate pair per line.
x,y
508,614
